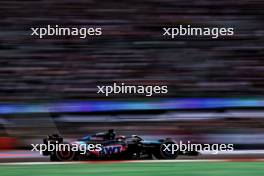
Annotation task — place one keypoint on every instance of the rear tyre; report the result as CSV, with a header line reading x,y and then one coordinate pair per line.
x,y
65,155
53,157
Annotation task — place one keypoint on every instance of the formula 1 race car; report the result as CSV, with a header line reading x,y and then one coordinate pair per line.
x,y
108,146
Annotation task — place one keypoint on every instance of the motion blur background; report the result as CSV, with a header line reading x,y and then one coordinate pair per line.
x,y
215,86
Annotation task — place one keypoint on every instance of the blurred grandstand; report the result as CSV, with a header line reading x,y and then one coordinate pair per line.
x,y
36,72
132,49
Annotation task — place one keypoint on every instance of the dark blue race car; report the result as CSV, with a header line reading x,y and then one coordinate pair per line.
x,y
108,146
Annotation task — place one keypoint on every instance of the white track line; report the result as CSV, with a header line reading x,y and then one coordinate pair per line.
x,y
39,163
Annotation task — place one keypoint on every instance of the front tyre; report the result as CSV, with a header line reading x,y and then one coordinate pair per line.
x,y
162,153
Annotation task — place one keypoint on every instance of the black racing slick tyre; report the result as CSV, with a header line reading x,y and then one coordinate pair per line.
x,y
53,157
162,153
64,155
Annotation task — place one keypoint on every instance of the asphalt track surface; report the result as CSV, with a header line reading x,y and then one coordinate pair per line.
x,y
240,163
22,156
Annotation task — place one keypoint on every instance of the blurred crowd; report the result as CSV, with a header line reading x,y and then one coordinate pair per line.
x,y
131,50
